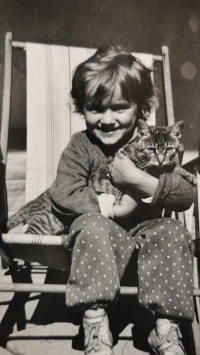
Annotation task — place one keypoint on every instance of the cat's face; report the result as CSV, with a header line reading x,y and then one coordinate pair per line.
x,y
157,146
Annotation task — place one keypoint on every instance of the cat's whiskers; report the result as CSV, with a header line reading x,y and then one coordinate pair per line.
x,y
148,166
144,166
171,163
140,166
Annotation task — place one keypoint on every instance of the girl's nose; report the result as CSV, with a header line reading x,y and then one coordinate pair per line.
x,y
107,117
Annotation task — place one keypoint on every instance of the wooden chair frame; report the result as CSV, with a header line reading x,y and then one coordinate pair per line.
x,y
55,241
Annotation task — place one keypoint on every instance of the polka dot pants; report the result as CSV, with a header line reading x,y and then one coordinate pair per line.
x,y
101,251
165,267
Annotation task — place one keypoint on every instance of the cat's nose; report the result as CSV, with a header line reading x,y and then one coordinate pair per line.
x,y
160,159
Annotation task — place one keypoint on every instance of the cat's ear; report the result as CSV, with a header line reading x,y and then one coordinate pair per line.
x,y
143,128
177,129
145,114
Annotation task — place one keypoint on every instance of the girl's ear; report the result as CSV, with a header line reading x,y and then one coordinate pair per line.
x,y
177,129
143,128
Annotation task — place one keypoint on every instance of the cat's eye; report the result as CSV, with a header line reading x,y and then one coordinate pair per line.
x,y
169,149
151,149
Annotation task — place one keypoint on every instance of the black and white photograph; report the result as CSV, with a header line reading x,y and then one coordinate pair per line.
x,y
99,177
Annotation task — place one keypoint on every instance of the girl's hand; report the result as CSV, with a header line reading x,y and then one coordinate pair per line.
x,y
129,179
124,210
123,171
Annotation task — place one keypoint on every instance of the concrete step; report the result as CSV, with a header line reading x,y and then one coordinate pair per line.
x,y
57,339
4,351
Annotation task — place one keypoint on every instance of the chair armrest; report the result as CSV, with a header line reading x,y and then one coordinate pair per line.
x,y
44,249
189,165
32,239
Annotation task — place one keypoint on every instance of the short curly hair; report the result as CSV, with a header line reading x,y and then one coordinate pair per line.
x,y
94,81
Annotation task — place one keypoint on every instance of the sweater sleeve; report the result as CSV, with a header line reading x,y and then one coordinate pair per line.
x,y
70,193
174,192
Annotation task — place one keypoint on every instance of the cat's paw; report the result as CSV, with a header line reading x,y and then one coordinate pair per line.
x,y
121,150
194,180
106,202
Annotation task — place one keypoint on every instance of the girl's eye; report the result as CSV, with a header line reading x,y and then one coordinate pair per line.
x,y
94,110
119,111
120,108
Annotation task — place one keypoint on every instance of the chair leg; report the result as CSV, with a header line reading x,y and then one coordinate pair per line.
x,y
3,229
15,313
4,265
194,336
5,253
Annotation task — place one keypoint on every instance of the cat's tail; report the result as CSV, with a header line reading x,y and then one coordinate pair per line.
x,y
20,217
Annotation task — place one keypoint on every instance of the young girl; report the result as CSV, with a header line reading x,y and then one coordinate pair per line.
x,y
112,89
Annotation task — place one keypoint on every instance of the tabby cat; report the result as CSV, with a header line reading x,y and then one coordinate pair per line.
x,y
154,149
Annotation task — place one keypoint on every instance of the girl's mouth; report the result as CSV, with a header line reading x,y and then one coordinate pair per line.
x,y
108,131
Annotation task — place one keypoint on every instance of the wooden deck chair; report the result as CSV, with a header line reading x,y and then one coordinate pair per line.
x,y
46,140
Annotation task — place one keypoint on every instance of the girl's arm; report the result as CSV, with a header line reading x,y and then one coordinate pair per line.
x,y
170,191
70,193
128,178
135,183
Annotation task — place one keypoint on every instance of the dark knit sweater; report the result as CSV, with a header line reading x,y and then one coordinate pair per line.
x,y
71,195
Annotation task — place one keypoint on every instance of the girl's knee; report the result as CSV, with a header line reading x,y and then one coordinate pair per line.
x,y
177,226
90,221
84,219
168,230
175,231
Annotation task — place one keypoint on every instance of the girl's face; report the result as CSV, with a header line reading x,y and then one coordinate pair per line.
x,y
112,124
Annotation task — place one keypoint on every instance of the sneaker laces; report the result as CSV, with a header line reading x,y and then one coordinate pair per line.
x,y
97,336
172,336
94,342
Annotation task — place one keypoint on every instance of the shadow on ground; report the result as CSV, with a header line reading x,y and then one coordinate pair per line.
x,y
51,309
